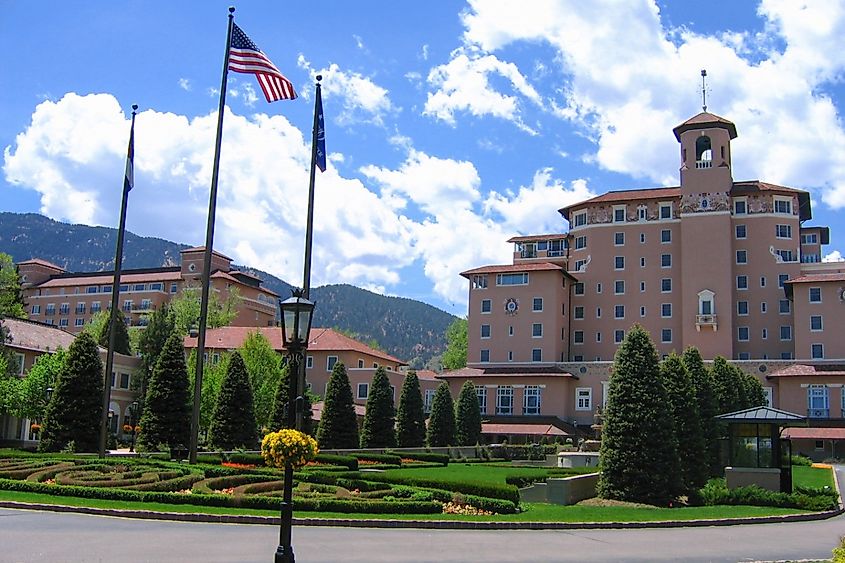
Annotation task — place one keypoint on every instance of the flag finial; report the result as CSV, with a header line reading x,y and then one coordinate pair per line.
x,y
134,107
231,9
319,77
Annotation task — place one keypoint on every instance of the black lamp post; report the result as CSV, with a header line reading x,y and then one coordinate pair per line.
x,y
134,422
296,325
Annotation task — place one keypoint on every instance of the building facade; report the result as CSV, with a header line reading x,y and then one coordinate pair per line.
x,y
70,299
730,267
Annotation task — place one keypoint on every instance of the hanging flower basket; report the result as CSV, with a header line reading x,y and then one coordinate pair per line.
x,y
35,428
127,428
288,446
138,429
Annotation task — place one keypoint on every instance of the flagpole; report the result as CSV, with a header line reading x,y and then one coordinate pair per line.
x,y
309,234
128,180
209,243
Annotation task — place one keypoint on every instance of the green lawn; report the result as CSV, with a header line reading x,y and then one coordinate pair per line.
x,y
805,476
479,472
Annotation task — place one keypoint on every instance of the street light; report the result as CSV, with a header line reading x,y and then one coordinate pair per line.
x,y
296,316
134,421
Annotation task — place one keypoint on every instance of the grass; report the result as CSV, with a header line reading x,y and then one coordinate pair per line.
x,y
478,473
805,476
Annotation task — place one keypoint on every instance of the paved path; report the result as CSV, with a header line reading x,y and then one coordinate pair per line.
x,y
45,536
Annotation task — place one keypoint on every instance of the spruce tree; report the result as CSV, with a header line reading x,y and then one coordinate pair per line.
x,y
338,425
705,396
278,417
726,385
685,415
639,457
72,417
467,416
121,336
410,420
752,390
167,417
441,422
379,428
233,423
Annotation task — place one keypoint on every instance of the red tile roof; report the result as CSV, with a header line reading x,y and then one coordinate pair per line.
x,y
522,429
107,277
41,262
815,433
626,195
322,339
524,238
804,370
202,248
819,278
426,374
705,118
510,371
32,335
505,268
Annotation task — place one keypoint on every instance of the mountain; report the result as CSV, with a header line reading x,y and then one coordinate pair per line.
x,y
405,328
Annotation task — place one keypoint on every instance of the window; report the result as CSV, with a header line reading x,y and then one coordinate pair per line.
x,y
782,279
665,236
579,265
330,362
484,356
817,401
665,210
504,399
619,239
531,400
816,322
642,286
124,380
173,287
783,231
598,312
512,279
363,390
598,287
783,206
598,337
815,295
486,305
741,231
361,363
764,334
583,398
537,304
619,311
786,355
578,288
742,282
580,219
666,336
817,352
783,306
762,281
619,287
578,312
485,331
481,393
63,322
127,305
740,207
666,285
64,308
742,333
510,355
810,238
95,307
742,307
642,238
556,248
578,337
618,336
36,310
536,355
665,260
619,262
91,289
785,255
666,310
79,321
642,262
479,282
429,399
744,356
742,257
580,242
156,286
510,330
642,310
536,330
618,213
642,213
139,287
786,332
309,362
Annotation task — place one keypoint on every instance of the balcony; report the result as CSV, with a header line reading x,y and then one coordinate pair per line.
x,y
706,321
818,413
704,164
143,307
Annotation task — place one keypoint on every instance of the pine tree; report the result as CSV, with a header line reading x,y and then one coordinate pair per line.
x,y
705,396
121,336
167,417
467,416
410,420
684,410
72,417
379,428
338,424
153,336
726,386
441,422
278,418
752,390
639,455
233,423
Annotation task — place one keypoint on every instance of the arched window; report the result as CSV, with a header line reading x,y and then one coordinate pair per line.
x,y
703,152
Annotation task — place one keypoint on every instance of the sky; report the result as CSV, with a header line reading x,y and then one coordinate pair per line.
x,y
450,126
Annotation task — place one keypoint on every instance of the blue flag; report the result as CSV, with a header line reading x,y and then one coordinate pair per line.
x,y
320,132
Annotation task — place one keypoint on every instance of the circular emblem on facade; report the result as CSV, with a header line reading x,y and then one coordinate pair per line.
x,y
511,306
842,293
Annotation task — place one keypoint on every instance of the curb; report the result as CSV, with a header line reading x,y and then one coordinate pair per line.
x,y
419,524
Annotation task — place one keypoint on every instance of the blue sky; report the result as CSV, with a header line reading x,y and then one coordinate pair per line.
x,y
450,126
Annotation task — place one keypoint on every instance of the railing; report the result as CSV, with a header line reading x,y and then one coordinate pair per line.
x,y
818,413
143,307
704,164
528,254
706,320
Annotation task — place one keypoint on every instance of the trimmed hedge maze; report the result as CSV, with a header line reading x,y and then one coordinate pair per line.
x,y
328,486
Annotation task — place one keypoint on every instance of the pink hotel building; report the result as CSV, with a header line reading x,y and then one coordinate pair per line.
x,y
728,267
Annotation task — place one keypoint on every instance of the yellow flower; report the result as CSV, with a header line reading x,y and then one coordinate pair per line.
x,y
288,446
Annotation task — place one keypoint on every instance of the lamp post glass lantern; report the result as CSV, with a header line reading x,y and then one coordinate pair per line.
x,y
296,325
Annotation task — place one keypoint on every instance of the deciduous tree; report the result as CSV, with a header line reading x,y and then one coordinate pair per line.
x,y
264,366
11,301
455,356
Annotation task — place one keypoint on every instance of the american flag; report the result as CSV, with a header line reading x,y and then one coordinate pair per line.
x,y
129,175
246,57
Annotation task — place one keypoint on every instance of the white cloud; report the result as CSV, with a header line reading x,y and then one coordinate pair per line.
x,y
627,80
834,256
185,84
362,100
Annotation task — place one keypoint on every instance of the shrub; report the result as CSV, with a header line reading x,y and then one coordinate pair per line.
x,y
801,460
388,459
442,459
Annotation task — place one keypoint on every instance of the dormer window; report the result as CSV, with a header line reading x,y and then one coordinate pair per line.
x,y
703,152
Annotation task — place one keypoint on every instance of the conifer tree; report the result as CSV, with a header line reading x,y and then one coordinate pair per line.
x,y
167,417
684,410
379,428
639,457
752,390
410,420
121,336
705,396
278,417
233,423
72,417
726,386
338,424
441,422
467,416
153,337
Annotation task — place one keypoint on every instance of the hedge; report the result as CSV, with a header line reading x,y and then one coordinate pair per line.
x,y
804,498
385,459
442,459
348,461
505,492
